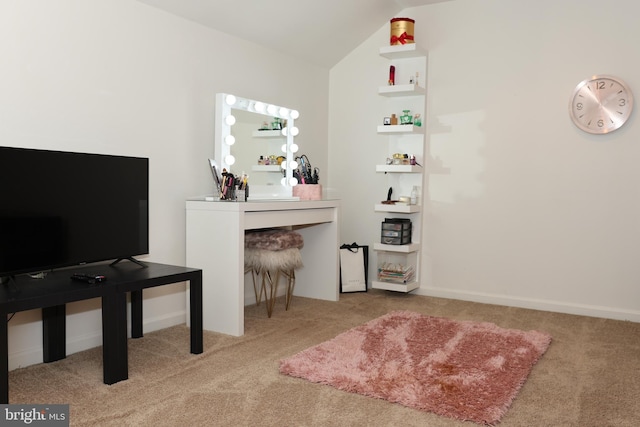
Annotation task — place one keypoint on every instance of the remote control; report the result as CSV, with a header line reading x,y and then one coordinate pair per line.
x,y
88,278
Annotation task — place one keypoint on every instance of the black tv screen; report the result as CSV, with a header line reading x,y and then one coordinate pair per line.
x,y
60,209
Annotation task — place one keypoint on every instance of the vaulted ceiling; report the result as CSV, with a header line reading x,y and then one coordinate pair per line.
x,y
319,31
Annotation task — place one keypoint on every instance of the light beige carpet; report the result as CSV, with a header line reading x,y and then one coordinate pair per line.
x,y
589,376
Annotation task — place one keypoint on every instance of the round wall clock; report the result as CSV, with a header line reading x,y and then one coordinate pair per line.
x,y
601,104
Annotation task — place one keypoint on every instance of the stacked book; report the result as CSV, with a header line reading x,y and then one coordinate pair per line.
x,y
396,273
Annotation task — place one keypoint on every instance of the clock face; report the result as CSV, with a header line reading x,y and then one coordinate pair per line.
x,y
601,104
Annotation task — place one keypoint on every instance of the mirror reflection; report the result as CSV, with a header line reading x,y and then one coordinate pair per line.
x,y
258,148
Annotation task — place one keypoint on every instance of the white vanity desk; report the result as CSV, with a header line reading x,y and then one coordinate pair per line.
x,y
215,244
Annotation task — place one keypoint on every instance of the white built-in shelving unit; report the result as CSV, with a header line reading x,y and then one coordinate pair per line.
x,y
409,92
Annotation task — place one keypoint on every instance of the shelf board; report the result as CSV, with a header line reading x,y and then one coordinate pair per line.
x,y
409,50
379,207
400,129
398,287
266,168
401,90
267,134
399,168
411,247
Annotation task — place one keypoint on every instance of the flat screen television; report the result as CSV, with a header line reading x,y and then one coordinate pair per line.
x,y
59,209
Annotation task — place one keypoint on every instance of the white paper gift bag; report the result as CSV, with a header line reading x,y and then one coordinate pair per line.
x,y
354,260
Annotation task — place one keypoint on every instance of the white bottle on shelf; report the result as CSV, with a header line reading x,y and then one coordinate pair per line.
x,y
414,195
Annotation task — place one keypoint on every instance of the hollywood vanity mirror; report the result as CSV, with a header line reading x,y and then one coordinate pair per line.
x,y
245,130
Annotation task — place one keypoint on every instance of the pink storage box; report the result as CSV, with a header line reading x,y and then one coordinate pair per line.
x,y
308,191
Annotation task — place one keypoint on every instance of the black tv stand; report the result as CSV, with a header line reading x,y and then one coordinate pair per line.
x,y
57,289
9,283
129,258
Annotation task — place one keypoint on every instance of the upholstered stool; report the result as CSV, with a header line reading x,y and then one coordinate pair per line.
x,y
269,254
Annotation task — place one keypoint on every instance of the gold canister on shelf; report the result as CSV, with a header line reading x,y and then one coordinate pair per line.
x,y
402,31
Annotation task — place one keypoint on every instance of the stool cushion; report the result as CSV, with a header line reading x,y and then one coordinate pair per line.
x,y
262,259
273,240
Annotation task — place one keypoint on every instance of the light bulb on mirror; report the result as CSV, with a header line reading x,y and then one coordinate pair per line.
x,y
294,131
230,99
293,165
294,114
293,181
283,148
294,148
271,109
284,131
283,112
283,166
259,106
230,159
230,139
283,181
230,120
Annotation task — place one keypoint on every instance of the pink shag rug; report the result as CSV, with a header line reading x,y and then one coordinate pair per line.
x,y
465,370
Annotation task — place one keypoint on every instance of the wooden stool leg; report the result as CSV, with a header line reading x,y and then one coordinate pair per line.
x,y
266,277
270,300
254,274
291,283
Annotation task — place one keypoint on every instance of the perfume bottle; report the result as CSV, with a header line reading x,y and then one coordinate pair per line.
x,y
406,118
392,75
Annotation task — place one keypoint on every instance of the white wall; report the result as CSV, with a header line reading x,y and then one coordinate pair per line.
x,y
121,77
524,209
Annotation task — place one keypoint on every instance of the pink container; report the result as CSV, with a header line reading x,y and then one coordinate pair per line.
x,y
308,191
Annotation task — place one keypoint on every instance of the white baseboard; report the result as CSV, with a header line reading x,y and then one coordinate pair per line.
x,y
532,303
24,358
33,355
